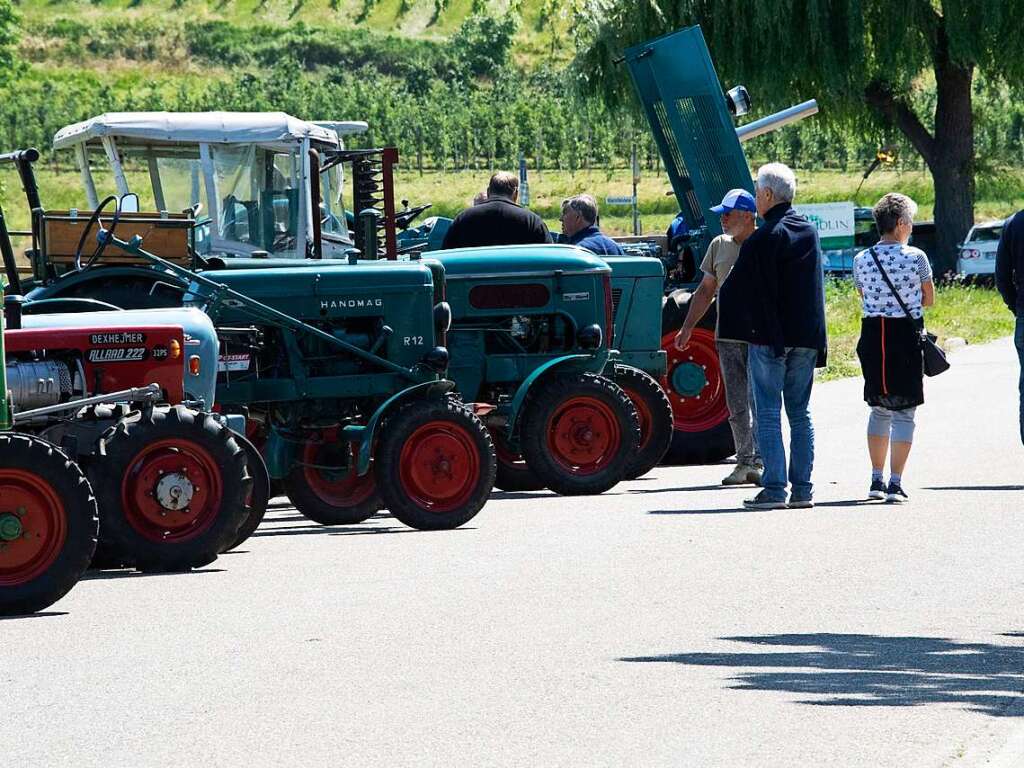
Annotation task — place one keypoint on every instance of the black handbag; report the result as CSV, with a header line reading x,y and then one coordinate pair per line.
x,y
933,357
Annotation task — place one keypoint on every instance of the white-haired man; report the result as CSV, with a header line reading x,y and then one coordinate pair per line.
x,y
737,213
776,301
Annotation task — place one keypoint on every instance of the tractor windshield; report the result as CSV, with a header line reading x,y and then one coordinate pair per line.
x,y
251,197
332,202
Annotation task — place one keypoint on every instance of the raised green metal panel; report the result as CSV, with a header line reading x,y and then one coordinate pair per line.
x,y
686,108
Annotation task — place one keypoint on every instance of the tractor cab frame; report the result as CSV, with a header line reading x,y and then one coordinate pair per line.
x,y
251,181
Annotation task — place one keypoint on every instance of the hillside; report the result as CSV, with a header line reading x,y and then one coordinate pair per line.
x,y
456,85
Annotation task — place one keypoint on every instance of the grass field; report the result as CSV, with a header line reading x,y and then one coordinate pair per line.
x,y
451,192
973,313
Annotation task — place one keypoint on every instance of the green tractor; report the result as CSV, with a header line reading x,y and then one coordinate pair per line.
x,y
258,227
692,120
531,342
338,369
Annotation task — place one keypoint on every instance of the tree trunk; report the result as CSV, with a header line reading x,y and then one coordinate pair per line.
x,y
949,153
952,162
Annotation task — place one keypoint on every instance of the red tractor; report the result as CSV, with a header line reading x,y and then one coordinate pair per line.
x,y
172,480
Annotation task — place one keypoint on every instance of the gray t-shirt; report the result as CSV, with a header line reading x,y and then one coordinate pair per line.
x,y
718,262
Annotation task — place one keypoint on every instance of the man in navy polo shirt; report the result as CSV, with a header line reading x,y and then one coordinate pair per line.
x,y
579,225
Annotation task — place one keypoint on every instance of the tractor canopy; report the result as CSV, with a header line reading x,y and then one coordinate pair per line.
x,y
249,178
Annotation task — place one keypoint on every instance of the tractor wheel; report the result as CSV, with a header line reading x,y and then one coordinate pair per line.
x,y
579,433
259,496
655,412
694,385
172,485
512,473
48,524
325,487
436,463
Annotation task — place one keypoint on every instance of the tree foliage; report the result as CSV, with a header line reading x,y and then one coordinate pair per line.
x,y
8,36
862,59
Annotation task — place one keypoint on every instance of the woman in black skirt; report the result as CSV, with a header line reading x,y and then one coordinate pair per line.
x,y
890,357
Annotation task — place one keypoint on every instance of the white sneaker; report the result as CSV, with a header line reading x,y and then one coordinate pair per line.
x,y
739,476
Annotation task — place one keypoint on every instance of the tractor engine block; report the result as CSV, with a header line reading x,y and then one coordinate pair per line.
x,y
34,384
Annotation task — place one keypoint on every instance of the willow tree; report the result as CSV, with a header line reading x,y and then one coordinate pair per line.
x,y
862,60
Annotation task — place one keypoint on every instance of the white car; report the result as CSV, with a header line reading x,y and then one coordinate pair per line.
x,y
978,251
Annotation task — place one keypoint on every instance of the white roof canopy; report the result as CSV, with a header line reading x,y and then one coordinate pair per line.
x,y
193,128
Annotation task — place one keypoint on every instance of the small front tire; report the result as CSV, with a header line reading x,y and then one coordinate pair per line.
x,y
436,463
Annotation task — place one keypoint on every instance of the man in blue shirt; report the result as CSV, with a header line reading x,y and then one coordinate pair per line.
x,y
579,225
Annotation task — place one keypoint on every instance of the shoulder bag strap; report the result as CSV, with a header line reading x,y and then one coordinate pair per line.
x,y
892,288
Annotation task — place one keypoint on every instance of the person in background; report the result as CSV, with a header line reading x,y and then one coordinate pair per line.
x,y
1009,279
775,297
737,214
480,197
889,351
579,225
500,220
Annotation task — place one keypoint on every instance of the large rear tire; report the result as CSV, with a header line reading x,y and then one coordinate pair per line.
x,y
513,474
436,463
579,433
695,388
655,413
172,485
259,496
48,524
325,487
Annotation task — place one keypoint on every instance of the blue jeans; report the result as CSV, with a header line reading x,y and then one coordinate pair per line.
x,y
777,381
1018,341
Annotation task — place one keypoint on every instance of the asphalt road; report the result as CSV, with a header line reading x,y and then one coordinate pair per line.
x,y
657,624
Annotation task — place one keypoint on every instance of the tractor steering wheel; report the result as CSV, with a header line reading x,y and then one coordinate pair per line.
x,y
404,218
93,220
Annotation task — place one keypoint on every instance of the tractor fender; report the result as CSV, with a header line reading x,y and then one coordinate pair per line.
x,y
364,434
524,389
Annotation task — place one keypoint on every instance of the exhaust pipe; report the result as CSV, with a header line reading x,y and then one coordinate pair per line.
x,y
777,120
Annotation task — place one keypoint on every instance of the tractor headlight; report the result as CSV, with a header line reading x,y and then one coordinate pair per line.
x,y
442,318
738,100
437,359
590,337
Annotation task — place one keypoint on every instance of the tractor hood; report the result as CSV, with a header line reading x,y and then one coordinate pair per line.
x,y
513,260
635,266
360,286
200,338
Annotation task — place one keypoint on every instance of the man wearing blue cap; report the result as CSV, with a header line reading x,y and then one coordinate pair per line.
x,y
737,211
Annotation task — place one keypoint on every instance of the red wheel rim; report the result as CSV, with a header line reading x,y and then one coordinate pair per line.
x,y
341,487
694,382
41,527
644,412
583,435
439,466
172,491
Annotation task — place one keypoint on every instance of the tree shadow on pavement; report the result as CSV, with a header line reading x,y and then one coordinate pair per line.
x,y
872,670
